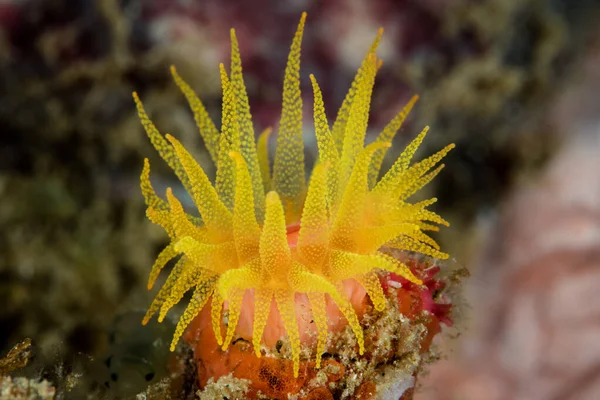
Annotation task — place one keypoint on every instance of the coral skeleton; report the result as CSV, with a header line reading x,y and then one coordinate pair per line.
x,y
274,233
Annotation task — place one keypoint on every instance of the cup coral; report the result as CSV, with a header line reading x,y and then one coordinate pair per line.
x,y
271,233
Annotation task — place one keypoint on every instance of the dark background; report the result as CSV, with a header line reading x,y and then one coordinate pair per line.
x,y
511,82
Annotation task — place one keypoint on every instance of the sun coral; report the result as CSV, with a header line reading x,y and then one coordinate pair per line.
x,y
271,233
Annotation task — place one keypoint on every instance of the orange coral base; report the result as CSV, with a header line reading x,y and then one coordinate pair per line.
x,y
272,376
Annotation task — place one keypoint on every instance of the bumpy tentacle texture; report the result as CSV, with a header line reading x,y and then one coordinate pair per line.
x,y
240,241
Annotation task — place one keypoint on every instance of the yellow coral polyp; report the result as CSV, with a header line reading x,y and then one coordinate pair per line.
x,y
240,243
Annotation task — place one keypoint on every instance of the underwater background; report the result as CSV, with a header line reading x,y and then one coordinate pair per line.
x,y
512,82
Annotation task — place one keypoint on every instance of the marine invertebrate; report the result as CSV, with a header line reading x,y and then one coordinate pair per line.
x,y
295,238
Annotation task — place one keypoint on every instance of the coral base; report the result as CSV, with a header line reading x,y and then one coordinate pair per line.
x,y
397,343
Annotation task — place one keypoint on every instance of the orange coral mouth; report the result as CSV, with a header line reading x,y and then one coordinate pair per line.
x,y
292,234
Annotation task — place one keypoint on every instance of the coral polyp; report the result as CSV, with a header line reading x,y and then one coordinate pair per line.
x,y
274,234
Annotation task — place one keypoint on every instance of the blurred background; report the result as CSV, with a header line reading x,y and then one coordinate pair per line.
x,y
512,82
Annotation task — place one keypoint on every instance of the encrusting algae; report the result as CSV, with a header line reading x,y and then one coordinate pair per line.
x,y
272,233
